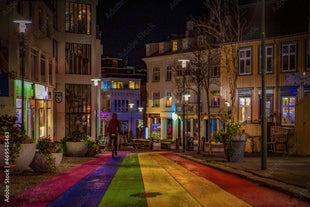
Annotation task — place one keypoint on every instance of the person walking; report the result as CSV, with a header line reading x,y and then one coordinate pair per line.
x,y
113,130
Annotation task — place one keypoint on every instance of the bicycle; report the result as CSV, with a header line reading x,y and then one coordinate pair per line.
x,y
113,144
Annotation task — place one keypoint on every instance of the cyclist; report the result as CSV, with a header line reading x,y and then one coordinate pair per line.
x,y
112,130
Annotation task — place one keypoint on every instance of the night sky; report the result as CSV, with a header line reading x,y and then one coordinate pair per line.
x,y
127,25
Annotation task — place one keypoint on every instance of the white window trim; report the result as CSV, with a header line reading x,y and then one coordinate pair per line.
x,y
245,49
289,53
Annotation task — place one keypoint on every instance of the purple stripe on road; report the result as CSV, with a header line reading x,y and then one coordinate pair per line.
x,y
89,190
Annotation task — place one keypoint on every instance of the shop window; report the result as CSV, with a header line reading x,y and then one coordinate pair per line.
x,y
78,108
288,110
245,109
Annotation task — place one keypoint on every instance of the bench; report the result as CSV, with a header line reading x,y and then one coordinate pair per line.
x,y
278,139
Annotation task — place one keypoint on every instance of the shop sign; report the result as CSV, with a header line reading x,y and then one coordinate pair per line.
x,y
41,92
58,96
28,89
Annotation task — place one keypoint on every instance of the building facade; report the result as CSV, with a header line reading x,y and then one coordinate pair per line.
x,y
287,82
28,65
78,47
61,57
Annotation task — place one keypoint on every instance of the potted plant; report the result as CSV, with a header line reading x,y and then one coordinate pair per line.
x,y
234,139
75,145
48,156
93,148
21,147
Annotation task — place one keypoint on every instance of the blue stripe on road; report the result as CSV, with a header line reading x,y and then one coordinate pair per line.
x,y
89,190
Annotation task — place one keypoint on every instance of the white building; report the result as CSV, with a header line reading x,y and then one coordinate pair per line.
x,y
164,103
121,94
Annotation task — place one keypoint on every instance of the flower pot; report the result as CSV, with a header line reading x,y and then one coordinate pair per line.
x,y
58,158
40,162
236,153
76,149
25,156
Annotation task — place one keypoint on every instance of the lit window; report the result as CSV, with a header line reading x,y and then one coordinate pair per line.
x,y
168,99
245,109
288,110
215,98
78,17
174,45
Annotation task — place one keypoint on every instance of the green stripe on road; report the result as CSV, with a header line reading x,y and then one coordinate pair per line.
x,y
125,185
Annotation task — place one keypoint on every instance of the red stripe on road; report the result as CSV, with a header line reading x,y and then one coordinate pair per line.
x,y
250,192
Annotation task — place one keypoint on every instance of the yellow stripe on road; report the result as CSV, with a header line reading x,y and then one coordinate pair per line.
x,y
158,182
203,190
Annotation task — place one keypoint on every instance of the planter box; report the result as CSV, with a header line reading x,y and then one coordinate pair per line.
x,y
76,149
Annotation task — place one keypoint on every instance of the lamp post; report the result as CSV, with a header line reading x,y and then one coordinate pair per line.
x,y
140,109
186,98
97,84
131,108
22,29
184,63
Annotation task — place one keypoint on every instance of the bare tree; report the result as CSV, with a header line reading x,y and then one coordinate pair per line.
x,y
224,28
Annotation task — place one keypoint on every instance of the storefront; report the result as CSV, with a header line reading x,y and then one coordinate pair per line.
x,y
37,109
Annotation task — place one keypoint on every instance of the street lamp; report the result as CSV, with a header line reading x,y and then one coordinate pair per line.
x,y
22,29
184,63
131,108
185,102
97,82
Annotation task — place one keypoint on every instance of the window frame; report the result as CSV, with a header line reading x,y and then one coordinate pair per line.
x,y
156,74
289,54
244,60
271,70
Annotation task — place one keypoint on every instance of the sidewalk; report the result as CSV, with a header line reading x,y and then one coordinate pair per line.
x,y
287,173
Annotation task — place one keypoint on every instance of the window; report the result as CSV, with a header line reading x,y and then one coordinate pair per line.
x,y
179,70
288,110
245,62
43,68
78,59
168,99
168,74
308,55
174,45
78,17
156,74
34,65
156,99
269,108
78,108
245,109
215,71
288,61
268,60
215,98
50,71
41,20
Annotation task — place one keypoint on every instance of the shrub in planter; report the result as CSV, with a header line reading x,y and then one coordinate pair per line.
x,y
15,134
75,144
44,159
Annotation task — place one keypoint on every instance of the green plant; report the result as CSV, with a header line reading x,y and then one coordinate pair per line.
x,y
228,134
15,133
92,146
